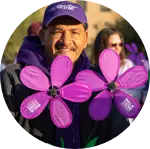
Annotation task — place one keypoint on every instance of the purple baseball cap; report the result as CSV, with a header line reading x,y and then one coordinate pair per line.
x,y
64,8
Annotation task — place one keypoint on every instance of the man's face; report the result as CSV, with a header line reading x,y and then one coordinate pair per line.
x,y
65,36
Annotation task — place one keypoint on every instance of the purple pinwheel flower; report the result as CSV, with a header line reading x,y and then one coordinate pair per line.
x,y
53,92
135,56
100,106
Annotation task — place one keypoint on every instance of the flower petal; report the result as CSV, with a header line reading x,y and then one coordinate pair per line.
x,y
61,69
60,113
129,48
141,55
34,78
100,107
109,63
133,77
134,47
139,59
92,79
132,57
76,92
33,105
127,105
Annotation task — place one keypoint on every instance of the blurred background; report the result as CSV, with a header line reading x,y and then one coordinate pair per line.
x,y
98,16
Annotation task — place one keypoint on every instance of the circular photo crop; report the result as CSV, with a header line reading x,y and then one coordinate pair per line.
x,y
75,74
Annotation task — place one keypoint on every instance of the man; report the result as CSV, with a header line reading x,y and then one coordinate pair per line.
x,y
64,32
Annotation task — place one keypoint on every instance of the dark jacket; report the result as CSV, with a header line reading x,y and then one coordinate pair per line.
x,y
83,128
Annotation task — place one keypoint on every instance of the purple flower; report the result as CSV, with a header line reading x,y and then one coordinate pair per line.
x,y
52,92
111,86
135,56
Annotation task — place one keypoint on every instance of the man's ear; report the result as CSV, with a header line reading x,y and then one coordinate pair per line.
x,y
42,36
86,39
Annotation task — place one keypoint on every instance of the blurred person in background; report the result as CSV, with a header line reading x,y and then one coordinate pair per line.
x,y
32,31
113,39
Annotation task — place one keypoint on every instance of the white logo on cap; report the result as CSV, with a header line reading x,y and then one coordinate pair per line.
x,y
68,7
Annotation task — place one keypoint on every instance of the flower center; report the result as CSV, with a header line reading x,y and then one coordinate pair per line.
x,y
111,86
53,91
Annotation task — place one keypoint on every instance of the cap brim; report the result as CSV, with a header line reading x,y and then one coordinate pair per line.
x,y
63,14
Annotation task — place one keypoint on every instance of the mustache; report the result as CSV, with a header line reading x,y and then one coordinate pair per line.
x,y
60,46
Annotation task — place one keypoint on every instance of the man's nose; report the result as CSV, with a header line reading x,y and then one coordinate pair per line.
x,y
66,38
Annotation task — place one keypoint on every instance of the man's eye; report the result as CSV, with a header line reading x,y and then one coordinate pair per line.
x,y
75,32
56,32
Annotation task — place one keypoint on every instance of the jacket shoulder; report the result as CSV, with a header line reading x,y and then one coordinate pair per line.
x,y
10,69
